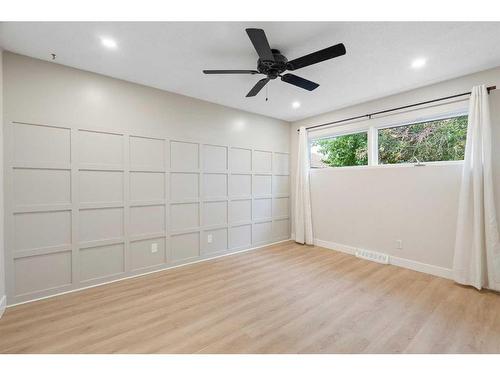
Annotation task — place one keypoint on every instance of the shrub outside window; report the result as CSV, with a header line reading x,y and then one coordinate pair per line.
x,y
438,140
341,151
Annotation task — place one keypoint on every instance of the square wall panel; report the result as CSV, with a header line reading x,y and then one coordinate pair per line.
x,y
281,163
214,158
184,186
147,186
240,185
147,219
262,185
240,236
41,186
184,216
214,185
281,207
100,148
218,240
101,224
262,208
185,246
101,261
214,213
281,229
42,229
262,232
147,253
240,211
240,160
262,161
101,186
42,272
147,152
184,156
281,185
35,143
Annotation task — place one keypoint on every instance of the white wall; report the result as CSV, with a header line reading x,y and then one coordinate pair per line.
x,y
372,207
99,169
2,250
44,92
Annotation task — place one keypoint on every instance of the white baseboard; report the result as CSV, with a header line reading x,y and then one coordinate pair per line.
x,y
336,246
395,261
431,269
3,305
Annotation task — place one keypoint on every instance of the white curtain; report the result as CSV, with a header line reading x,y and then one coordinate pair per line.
x,y
303,219
477,247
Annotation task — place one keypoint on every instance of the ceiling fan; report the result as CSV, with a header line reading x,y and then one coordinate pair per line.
x,y
272,63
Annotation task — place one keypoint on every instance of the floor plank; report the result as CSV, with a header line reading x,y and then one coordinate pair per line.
x,y
284,298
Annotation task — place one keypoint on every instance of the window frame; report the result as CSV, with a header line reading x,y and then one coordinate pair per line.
x,y
373,151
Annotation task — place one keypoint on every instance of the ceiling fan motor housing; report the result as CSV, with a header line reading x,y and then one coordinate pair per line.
x,y
273,68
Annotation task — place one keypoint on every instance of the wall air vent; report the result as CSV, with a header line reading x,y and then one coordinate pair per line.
x,y
373,256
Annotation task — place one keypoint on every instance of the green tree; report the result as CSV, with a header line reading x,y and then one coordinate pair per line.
x,y
345,150
438,140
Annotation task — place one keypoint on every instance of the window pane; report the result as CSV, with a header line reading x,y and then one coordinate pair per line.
x,y
438,140
342,151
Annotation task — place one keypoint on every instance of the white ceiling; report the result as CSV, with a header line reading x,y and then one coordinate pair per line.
x,y
171,56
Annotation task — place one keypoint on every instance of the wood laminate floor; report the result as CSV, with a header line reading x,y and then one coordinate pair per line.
x,y
284,298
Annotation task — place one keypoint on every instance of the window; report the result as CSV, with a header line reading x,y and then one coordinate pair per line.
x,y
425,141
437,140
340,151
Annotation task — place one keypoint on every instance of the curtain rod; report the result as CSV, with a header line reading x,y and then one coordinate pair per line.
x,y
369,115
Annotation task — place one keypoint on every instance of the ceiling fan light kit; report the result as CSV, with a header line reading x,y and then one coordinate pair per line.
x,y
273,64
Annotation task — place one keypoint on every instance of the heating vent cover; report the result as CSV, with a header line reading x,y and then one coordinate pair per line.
x,y
373,256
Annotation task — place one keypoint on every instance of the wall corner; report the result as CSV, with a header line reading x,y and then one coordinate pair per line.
x,y
3,298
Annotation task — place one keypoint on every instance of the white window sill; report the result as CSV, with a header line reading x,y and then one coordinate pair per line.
x,y
402,165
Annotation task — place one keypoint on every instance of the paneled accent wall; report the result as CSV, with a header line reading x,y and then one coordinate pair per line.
x,y
92,206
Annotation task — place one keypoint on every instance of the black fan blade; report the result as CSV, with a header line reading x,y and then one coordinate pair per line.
x,y
260,43
230,72
258,86
299,81
316,57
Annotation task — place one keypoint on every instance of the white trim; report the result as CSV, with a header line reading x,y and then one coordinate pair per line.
x,y
3,305
372,146
441,163
395,261
431,269
335,246
143,274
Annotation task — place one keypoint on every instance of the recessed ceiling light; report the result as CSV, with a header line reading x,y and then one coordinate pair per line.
x,y
296,105
109,43
418,63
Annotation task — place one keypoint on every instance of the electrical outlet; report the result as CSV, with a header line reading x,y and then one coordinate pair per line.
x,y
154,247
210,238
399,244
